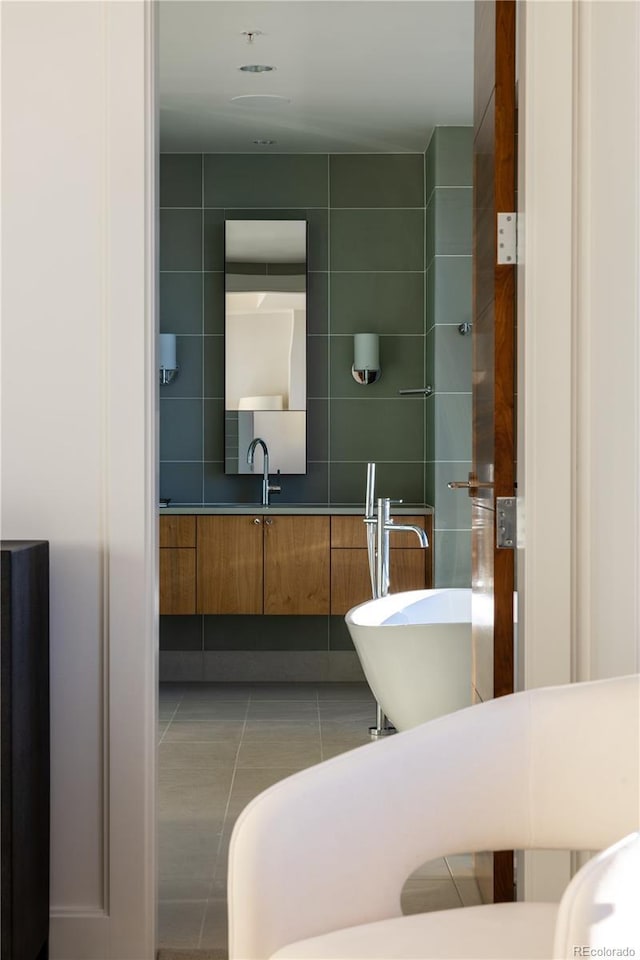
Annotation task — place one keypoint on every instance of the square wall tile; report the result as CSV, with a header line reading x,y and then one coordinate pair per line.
x,y
180,665
452,560
454,156
213,240
452,421
188,381
376,180
181,429
181,240
377,240
180,180
213,293
430,427
430,358
452,289
243,666
430,166
181,633
213,429
317,302
318,430
430,229
267,633
220,487
251,180
430,316
377,302
452,507
339,636
317,366
310,487
377,430
180,303
452,360
401,361
453,221
181,482
430,483
397,480
214,366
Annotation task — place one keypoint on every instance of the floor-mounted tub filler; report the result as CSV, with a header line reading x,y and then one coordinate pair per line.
x,y
415,650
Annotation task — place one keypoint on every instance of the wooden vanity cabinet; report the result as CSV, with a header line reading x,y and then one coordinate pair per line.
x,y
410,565
230,564
296,565
177,565
278,564
274,565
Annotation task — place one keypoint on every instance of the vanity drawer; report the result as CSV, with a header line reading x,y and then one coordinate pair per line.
x,y
350,533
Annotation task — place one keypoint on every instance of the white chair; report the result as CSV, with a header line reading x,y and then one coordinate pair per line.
x,y
317,862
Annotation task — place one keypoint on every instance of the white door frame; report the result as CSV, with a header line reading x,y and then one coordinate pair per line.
x,y
79,437
578,353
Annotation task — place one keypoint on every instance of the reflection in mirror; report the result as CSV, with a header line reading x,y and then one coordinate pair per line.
x,y
266,343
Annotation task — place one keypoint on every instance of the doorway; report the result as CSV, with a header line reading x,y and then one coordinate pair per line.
x,y
315,135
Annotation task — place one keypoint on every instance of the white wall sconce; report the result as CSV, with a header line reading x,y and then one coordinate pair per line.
x,y
168,365
366,358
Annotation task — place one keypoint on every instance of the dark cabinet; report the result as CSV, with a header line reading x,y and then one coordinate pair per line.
x,y
25,750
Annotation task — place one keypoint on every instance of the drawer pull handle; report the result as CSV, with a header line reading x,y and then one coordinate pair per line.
x,y
268,522
257,520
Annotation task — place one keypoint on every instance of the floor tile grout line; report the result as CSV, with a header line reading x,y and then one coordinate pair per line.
x,y
224,819
184,700
320,728
164,732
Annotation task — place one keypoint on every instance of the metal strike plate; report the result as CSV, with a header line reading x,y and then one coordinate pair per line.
x,y
506,520
507,223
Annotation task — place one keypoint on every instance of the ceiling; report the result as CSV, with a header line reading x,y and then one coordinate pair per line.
x,y
358,75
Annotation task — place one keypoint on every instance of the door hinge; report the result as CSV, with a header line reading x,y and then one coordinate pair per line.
x,y
506,520
507,238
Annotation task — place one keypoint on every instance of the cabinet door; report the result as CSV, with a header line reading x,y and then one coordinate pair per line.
x,y
177,581
350,579
351,582
296,568
178,530
230,576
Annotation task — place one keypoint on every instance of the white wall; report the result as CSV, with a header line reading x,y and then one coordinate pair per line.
x,y
78,437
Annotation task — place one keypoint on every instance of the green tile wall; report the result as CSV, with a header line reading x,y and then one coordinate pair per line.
x,y
366,218
448,190
389,252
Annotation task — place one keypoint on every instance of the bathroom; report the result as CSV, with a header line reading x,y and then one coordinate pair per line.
x,y
249,698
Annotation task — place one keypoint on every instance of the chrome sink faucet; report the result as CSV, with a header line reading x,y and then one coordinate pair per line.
x,y
267,487
384,527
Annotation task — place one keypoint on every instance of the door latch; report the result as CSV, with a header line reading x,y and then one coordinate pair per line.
x,y
506,523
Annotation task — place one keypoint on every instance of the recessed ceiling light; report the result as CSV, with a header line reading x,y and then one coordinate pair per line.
x,y
265,143
256,68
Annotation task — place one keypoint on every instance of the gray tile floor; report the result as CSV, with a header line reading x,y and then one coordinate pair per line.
x,y
220,745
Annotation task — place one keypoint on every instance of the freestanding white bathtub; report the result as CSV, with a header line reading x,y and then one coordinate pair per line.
x,y
415,650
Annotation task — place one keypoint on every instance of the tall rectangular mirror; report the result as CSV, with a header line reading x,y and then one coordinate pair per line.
x,y
266,343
